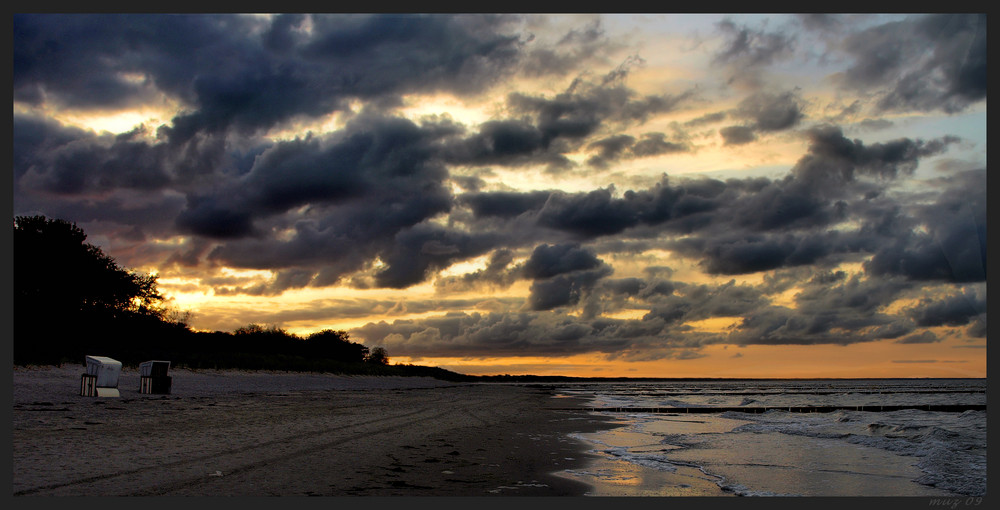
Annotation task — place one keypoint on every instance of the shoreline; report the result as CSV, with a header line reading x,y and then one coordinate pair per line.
x,y
238,433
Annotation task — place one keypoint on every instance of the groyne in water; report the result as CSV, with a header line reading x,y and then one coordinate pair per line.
x,y
958,408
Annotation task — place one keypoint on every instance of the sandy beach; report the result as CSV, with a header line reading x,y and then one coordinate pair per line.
x,y
233,433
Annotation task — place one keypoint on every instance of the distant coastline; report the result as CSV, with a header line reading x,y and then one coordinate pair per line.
x,y
408,370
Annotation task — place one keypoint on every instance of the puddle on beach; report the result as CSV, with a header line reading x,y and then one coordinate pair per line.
x,y
781,464
619,478
612,475
676,455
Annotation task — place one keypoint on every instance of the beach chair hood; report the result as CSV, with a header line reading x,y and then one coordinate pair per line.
x,y
105,369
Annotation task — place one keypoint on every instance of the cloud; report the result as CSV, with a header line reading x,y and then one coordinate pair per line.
x,y
834,160
926,63
771,112
230,81
585,106
418,251
742,254
928,361
65,160
552,260
499,273
619,147
504,142
950,310
592,214
562,275
951,245
574,49
504,204
747,51
926,337
737,135
853,243
493,334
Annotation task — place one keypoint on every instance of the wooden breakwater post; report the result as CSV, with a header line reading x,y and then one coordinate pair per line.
x,y
944,408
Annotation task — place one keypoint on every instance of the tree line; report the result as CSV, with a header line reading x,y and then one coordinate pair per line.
x,y
72,300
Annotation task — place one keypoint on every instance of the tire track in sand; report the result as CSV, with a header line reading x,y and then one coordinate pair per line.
x,y
199,461
190,472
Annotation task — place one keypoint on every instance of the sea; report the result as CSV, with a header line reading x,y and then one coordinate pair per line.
x,y
870,437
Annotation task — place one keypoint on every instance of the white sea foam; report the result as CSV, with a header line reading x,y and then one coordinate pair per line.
x,y
899,453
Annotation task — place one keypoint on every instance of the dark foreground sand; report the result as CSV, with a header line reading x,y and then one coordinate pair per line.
x,y
230,433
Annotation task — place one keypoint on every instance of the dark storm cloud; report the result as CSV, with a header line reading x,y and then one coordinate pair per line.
x,y
371,57
556,334
597,213
830,309
875,124
250,74
737,135
834,160
581,109
951,310
578,46
504,204
614,295
504,142
52,158
760,225
547,261
421,249
751,47
84,60
375,204
925,337
654,144
781,205
933,62
951,245
612,147
562,275
771,112
565,289
498,273
618,147
708,118
697,302
342,200
34,137
747,51
741,254
854,293
784,326
383,160
543,129
978,328
820,21
589,215
206,216
493,334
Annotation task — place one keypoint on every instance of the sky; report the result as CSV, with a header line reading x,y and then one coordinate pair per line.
x,y
606,195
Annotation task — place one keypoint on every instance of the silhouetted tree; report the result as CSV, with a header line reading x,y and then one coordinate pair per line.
x,y
53,265
378,356
66,289
335,345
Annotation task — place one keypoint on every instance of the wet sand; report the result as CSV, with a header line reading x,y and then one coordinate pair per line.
x,y
232,433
